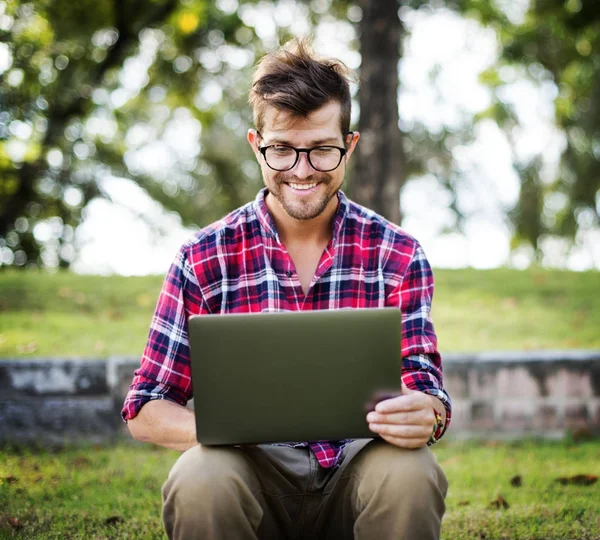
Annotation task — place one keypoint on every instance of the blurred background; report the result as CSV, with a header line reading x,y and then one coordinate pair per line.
x,y
123,130
123,123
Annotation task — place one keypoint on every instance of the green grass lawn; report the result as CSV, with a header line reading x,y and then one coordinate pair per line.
x,y
115,493
65,314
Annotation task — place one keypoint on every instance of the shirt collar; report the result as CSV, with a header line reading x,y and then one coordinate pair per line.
x,y
266,220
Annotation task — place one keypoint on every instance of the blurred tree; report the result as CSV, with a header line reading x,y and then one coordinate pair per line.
x,y
155,91
388,156
142,89
555,42
101,89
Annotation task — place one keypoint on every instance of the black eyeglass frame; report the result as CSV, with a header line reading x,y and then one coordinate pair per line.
x,y
263,150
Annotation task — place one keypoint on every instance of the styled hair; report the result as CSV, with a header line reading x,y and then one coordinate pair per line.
x,y
294,79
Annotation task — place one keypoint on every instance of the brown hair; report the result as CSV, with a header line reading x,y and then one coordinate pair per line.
x,y
293,79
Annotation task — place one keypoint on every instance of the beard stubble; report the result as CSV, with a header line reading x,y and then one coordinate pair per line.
x,y
303,210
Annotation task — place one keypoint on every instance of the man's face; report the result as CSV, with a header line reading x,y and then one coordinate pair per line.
x,y
303,192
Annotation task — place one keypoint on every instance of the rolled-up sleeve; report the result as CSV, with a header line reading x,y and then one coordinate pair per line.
x,y
421,360
165,371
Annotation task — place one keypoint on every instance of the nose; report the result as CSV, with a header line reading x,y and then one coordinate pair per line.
x,y
303,168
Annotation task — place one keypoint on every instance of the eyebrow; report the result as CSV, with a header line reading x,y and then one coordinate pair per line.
x,y
319,142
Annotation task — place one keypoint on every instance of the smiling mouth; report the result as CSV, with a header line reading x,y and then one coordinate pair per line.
x,y
302,187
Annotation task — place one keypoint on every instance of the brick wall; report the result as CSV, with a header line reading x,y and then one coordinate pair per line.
x,y
495,395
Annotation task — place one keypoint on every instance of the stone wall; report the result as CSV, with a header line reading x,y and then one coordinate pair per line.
x,y
546,393
54,401
495,395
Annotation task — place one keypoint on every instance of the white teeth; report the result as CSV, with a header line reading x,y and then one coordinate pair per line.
x,y
303,187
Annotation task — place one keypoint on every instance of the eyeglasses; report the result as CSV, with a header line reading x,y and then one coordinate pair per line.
x,y
281,157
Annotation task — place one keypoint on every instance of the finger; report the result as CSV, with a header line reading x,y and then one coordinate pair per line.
x,y
412,402
411,444
391,418
422,417
404,432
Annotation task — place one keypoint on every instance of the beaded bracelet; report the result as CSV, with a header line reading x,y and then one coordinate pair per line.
x,y
438,427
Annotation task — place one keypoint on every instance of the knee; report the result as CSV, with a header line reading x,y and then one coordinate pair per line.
x,y
202,474
400,473
400,493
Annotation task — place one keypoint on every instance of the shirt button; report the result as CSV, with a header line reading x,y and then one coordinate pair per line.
x,y
288,273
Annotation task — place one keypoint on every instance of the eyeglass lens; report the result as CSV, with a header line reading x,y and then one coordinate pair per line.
x,y
321,158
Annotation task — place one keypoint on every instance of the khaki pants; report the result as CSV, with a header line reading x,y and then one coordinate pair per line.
x,y
377,492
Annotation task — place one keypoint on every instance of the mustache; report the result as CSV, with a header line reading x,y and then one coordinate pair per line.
x,y
286,178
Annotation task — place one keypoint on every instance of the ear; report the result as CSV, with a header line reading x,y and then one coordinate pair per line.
x,y
253,138
351,140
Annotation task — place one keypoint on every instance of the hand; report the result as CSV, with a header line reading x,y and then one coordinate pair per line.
x,y
405,421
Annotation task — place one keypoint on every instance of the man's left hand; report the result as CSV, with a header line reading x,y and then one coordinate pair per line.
x,y
405,421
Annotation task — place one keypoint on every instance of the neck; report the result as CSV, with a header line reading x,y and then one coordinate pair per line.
x,y
291,230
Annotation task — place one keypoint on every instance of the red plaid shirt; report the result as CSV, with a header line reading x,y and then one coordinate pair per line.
x,y
239,265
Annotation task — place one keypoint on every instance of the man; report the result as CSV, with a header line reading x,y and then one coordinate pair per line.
x,y
300,245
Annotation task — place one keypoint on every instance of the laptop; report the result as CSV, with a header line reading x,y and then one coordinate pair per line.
x,y
292,376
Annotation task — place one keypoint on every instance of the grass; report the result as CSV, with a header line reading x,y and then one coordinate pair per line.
x,y
115,493
541,508
65,314
83,493
504,309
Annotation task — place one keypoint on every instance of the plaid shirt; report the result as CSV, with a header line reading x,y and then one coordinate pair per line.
x,y
239,265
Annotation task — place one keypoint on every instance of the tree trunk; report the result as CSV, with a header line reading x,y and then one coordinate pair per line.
x,y
380,171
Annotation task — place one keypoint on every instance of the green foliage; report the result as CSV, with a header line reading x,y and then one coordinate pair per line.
x,y
557,42
91,86
95,88
527,215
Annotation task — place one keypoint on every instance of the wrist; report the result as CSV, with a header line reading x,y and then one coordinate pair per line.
x,y
438,428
